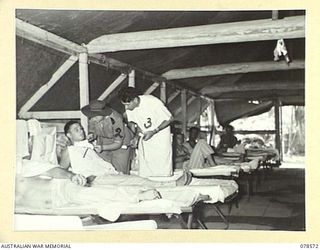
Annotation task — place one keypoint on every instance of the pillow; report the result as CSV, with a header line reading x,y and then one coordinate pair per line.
x,y
44,146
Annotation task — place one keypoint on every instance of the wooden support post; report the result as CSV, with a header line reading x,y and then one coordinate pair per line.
x,y
151,88
277,119
184,112
163,95
112,86
45,88
131,82
84,87
213,128
200,112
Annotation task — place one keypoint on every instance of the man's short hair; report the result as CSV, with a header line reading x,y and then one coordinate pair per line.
x,y
68,125
178,134
229,127
194,128
127,94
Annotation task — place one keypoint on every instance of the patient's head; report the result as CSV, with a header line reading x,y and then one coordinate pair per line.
x,y
229,129
194,133
74,131
129,98
179,139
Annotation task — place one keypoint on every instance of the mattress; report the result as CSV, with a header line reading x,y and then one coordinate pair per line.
x,y
182,198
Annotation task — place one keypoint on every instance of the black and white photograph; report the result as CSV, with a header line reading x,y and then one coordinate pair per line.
x,y
160,120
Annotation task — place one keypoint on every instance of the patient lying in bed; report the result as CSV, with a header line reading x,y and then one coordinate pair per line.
x,y
47,188
91,179
36,192
82,159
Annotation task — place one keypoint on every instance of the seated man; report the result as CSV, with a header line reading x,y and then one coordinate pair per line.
x,y
82,159
227,140
195,153
180,152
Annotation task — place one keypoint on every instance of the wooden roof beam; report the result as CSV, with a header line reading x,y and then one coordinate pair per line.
x,y
51,115
258,86
48,39
112,87
244,31
232,68
45,38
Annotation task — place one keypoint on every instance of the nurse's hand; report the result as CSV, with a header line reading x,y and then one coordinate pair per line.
x,y
134,142
91,137
98,148
147,135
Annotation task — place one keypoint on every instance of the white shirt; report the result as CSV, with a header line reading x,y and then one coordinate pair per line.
x,y
150,113
85,161
154,155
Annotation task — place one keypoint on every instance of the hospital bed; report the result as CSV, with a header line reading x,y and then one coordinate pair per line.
x,y
221,176
269,156
251,162
248,171
208,191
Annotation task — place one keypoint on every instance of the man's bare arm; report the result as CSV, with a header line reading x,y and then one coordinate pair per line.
x,y
65,159
60,173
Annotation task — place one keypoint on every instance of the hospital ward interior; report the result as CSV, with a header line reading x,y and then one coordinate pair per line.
x,y
151,120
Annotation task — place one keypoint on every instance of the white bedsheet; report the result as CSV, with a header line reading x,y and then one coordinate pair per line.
x,y
180,197
224,170
219,170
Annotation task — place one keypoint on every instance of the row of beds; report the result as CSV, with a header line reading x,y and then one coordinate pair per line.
x,y
214,185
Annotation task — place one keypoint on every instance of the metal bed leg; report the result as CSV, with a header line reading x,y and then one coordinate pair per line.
x,y
249,185
202,225
219,212
197,217
190,220
231,204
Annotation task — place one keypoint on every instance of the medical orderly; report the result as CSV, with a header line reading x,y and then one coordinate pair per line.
x,y
153,120
112,135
